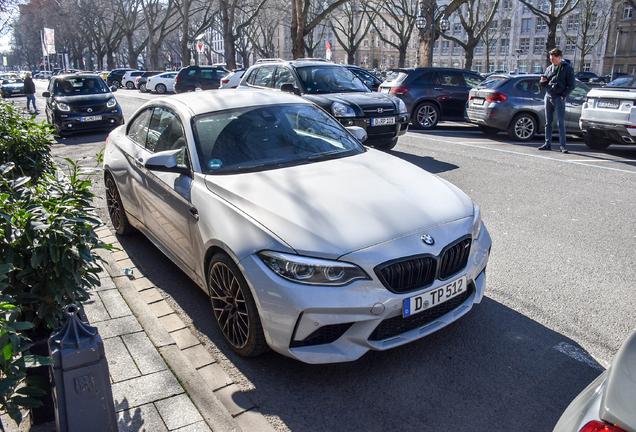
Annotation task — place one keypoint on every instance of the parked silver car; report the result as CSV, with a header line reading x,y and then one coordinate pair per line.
x,y
608,404
514,103
609,114
305,240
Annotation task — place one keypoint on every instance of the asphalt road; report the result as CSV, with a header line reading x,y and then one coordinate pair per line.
x,y
559,298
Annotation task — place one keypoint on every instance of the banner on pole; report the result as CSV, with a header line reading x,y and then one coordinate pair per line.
x,y
49,40
328,52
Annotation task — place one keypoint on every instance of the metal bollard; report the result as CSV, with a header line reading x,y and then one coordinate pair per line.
x,y
81,385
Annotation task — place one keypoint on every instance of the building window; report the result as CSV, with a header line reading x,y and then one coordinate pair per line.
x,y
445,45
523,66
504,47
479,49
525,25
543,5
524,44
573,23
632,70
408,63
478,66
537,68
366,42
558,42
505,26
541,25
444,63
456,64
502,65
436,47
559,3
493,25
491,66
539,45
570,44
507,5
493,47
593,21
457,29
587,66
628,12
456,48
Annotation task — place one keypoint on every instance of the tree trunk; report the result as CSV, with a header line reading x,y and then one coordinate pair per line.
x,y
550,42
402,56
351,57
110,60
229,52
132,56
297,30
468,64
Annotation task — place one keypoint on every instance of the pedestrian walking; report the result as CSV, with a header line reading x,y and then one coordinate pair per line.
x,y
29,91
558,82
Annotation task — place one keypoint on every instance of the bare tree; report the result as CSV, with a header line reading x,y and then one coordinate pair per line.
x,y
263,31
397,17
160,19
302,24
548,12
589,26
128,19
349,27
229,12
499,27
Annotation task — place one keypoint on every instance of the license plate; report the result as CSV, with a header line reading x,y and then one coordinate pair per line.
x,y
432,298
15,91
607,104
478,101
382,121
385,90
91,118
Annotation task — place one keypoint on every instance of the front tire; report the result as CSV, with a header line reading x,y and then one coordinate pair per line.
x,y
142,88
116,208
116,83
234,307
425,116
130,85
596,144
160,88
522,128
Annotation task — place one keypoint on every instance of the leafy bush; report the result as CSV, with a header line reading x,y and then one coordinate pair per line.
x,y
25,143
47,235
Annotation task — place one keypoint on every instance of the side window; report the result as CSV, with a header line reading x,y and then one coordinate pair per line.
x,y
192,72
208,74
165,131
252,75
524,86
426,78
264,76
451,79
284,76
472,80
535,89
138,130
578,94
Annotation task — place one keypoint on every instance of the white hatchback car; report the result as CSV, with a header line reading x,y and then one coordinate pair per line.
x,y
162,83
306,241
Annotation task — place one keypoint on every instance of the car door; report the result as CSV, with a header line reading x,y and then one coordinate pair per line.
x,y
165,196
573,106
527,95
452,93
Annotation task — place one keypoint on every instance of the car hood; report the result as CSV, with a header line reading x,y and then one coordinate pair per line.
x,y
359,99
335,207
16,84
617,404
89,99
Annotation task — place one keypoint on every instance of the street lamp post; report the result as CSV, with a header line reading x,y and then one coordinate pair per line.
x,y
372,48
618,34
435,12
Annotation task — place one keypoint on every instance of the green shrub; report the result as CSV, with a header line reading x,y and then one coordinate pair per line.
x,y
47,235
25,143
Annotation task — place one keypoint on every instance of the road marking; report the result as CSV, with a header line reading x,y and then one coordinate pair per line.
x,y
574,162
578,354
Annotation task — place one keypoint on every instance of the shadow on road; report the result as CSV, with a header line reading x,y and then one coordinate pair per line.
x,y
494,369
428,163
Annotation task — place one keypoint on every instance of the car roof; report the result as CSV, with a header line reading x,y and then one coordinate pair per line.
x,y
78,74
201,102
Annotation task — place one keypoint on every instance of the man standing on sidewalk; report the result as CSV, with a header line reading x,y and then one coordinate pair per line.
x,y
29,91
558,82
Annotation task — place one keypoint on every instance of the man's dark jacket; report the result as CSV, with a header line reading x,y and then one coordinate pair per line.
x,y
560,79
29,86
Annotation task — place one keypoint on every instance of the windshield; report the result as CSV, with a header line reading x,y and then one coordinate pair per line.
x,y
258,138
329,79
15,80
75,86
628,81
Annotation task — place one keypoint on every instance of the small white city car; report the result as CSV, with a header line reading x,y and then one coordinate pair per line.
x,y
306,241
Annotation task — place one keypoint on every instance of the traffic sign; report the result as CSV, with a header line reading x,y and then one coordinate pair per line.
x,y
200,47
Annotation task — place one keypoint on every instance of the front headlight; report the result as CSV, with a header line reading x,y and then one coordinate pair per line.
x,y
341,110
311,271
111,103
476,222
62,106
402,107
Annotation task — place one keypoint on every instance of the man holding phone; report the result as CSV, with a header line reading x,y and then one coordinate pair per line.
x,y
558,82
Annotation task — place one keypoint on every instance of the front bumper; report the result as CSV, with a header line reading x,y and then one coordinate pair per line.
x,y
616,133
320,324
71,122
378,134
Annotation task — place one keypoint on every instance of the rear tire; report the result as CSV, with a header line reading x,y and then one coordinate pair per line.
x,y
425,116
523,127
488,130
130,85
234,307
595,144
386,146
116,83
160,88
142,88
116,208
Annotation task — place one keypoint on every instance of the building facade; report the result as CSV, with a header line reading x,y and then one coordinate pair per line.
x,y
622,30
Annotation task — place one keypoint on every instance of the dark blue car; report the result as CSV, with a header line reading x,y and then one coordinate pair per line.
x,y
12,85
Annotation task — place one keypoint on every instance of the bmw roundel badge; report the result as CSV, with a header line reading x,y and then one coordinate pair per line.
x,y
428,240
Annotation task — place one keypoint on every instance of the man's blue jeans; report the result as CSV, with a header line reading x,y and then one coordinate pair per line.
x,y
552,104
31,100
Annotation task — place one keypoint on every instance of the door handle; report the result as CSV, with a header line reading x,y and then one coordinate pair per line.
x,y
194,213
439,89
139,162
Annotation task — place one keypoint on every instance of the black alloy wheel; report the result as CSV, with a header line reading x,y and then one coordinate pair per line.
x,y
116,208
523,127
425,116
160,88
234,307
115,83
596,143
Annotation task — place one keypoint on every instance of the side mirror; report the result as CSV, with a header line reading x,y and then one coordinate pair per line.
x,y
113,89
46,94
358,132
289,88
166,161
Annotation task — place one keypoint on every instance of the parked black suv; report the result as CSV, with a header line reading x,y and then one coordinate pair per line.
x,y
338,91
432,94
194,78
114,77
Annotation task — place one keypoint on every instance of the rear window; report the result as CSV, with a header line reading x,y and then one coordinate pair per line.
x,y
397,77
628,81
495,83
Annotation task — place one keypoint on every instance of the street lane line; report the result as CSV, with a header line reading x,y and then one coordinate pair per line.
x,y
573,162
578,354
